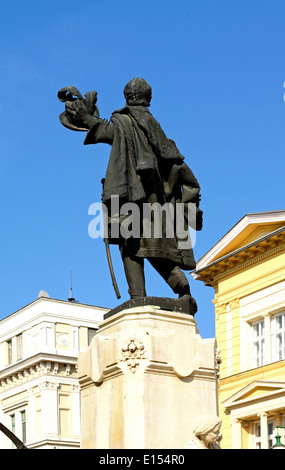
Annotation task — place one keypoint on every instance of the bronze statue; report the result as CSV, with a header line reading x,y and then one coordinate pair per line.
x,y
145,168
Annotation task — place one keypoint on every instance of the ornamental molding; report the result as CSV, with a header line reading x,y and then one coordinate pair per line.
x,y
220,309
133,352
223,308
263,414
218,361
14,406
62,339
46,385
244,258
234,303
41,369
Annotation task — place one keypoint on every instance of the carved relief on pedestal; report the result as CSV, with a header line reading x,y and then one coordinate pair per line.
x,y
132,352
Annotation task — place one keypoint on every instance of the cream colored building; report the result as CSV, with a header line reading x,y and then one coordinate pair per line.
x,y
246,268
39,389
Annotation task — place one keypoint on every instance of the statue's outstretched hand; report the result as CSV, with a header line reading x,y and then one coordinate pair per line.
x,y
79,113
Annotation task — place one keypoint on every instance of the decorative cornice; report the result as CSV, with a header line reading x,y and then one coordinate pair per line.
x,y
28,373
33,361
14,406
241,258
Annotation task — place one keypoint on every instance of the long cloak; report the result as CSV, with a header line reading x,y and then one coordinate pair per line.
x,y
145,167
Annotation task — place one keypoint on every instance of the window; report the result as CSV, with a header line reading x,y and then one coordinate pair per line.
x,y
270,435
13,423
258,343
278,337
13,428
24,426
267,340
257,435
91,334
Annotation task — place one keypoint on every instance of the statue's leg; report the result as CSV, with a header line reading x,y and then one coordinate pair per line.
x,y
176,279
134,271
172,274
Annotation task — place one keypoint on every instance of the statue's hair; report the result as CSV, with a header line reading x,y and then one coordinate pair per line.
x,y
138,92
206,425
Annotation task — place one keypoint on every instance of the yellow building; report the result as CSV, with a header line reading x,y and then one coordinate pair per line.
x,y
246,268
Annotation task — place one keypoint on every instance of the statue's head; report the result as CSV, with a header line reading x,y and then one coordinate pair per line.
x,y
137,92
208,430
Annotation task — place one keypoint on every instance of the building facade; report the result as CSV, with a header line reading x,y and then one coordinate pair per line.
x,y
39,390
246,268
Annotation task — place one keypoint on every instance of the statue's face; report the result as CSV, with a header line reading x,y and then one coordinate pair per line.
x,y
213,436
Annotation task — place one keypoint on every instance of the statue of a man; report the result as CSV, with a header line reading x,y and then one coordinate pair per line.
x,y
145,167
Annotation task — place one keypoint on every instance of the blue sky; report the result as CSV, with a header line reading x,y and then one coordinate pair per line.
x,y
217,70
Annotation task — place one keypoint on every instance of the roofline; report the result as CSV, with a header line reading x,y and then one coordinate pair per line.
x,y
239,250
50,299
278,385
249,215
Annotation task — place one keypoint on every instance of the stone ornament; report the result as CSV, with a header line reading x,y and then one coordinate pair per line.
x,y
218,361
133,351
207,433
62,339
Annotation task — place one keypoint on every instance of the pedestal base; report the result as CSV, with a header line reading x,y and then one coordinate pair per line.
x,y
146,380
185,304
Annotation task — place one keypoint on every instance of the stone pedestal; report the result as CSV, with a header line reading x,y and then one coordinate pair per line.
x,y
146,379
